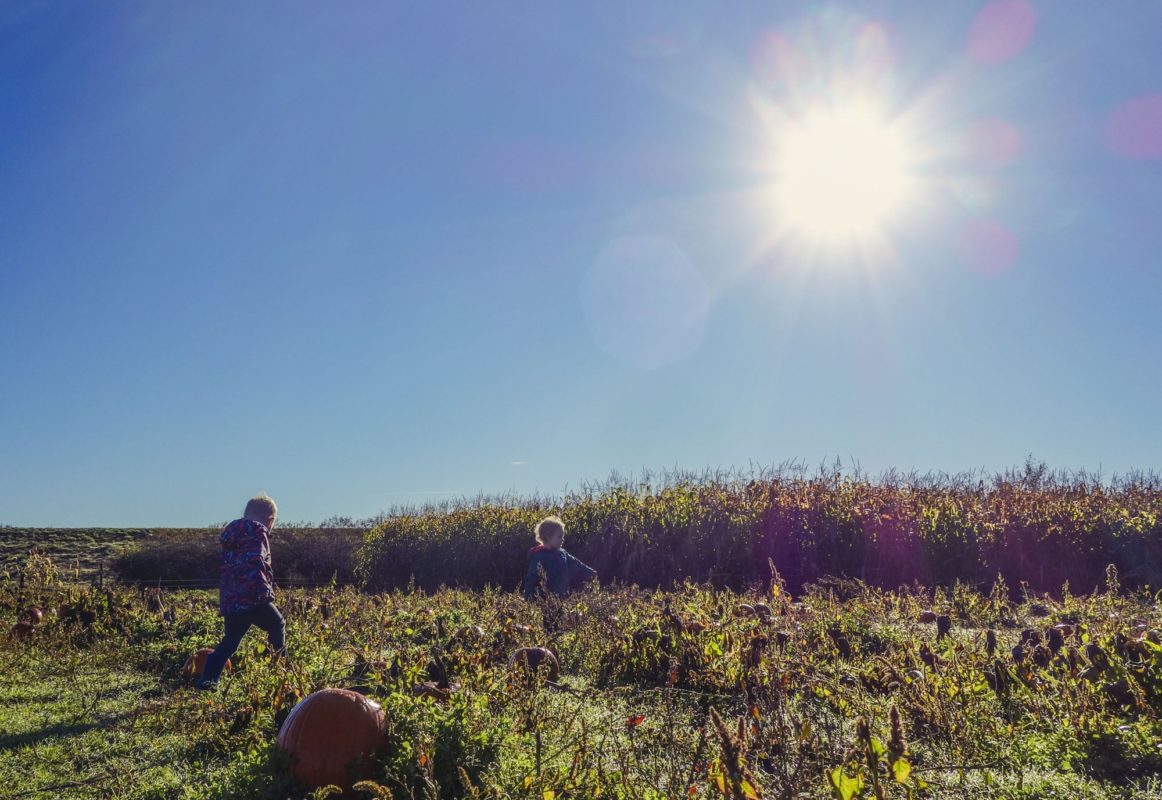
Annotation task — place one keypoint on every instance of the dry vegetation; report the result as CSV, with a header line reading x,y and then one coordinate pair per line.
x,y
1031,526
745,644
840,691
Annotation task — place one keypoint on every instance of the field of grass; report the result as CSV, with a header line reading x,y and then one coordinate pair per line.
x,y
179,556
1032,526
79,549
1035,528
841,691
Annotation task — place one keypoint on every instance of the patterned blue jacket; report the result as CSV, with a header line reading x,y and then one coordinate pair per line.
x,y
247,579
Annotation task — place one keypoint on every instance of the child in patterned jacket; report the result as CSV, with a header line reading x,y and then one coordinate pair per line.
x,y
246,591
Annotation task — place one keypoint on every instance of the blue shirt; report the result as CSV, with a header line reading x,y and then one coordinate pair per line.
x,y
561,571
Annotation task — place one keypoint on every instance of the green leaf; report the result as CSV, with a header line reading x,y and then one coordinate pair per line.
x,y
845,787
748,790
901,770
877,746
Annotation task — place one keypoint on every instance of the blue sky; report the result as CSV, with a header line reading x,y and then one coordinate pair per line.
x,y
377,254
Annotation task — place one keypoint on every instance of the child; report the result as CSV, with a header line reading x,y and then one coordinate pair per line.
x,y
246,591
561,570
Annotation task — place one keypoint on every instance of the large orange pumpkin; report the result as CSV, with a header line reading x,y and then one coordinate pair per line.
x,y
530,658
196,664
329,731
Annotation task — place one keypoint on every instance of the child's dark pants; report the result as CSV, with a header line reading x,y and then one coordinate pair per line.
x,y
265,617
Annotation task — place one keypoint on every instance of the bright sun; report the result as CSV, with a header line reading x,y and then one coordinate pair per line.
x,y
842,173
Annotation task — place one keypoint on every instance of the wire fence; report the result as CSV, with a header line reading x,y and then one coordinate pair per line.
x,y
101,577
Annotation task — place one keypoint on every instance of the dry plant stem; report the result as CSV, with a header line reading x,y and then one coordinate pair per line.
x,y
957,767
697,754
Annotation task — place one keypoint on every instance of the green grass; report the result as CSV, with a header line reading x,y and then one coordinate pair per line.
x,y
73,729
103,712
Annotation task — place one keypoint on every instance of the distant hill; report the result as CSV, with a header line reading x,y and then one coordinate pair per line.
x,y
302,553
83,549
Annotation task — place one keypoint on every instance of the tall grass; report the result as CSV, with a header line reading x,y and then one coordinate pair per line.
x,y
1031,526
301,555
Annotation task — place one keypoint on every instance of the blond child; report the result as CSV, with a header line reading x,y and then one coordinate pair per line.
x,y
246,591
561,570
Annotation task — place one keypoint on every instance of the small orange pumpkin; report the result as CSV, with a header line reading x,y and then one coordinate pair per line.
x,y
33,616
328,731
196,664
531,658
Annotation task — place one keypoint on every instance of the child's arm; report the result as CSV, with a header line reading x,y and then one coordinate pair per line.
x,y
265,561
579,569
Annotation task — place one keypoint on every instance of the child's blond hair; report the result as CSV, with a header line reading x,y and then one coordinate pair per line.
x,y
260,508
549,525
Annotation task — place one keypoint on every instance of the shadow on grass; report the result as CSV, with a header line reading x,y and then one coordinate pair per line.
x,y
14,741
29,699
65,729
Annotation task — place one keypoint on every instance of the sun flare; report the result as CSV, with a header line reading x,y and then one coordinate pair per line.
x,y
842,173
